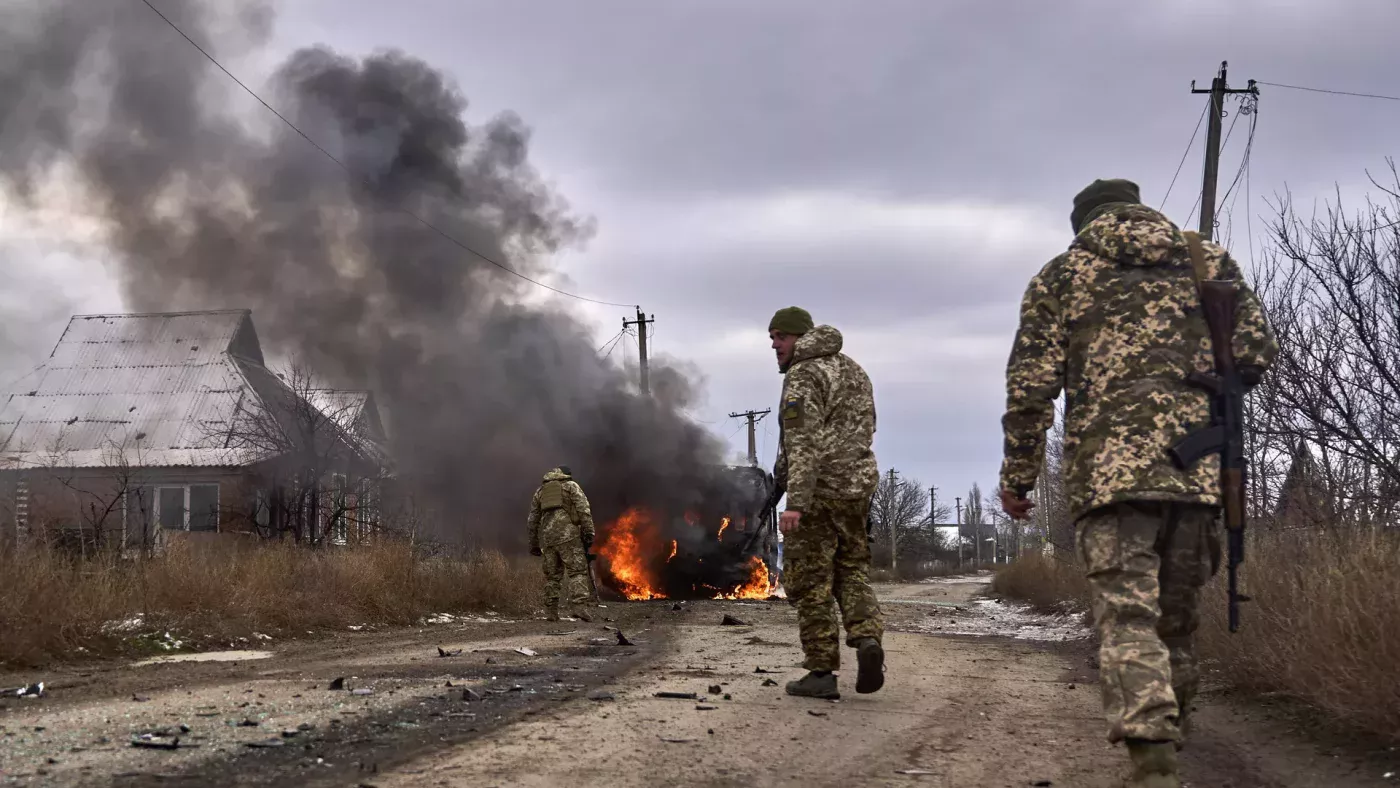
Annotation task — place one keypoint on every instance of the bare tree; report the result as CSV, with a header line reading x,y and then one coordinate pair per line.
x,y
899,510
1331,288
319,475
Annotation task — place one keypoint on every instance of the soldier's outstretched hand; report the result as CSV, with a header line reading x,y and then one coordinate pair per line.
x,y
1016,508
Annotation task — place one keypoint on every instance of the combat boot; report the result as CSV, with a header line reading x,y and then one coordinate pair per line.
x,y
815,685
1154,764
871,659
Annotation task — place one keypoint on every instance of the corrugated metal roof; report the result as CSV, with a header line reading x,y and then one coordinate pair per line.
x,y
163,387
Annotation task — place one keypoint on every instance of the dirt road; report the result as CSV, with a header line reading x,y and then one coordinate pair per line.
x,y
979,693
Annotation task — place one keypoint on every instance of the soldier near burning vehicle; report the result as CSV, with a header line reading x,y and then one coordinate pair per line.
x,y
827,469
1116,323
561,531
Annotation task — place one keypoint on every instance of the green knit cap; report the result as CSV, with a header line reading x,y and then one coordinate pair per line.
x,y
1100,194
792,320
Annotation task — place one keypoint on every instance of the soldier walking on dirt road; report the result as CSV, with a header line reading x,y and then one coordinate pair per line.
x,y
826,466
1116,324
561,531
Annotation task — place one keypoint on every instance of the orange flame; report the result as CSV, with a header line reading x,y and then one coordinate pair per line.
x,y
723,525
621,547
756,587
673,551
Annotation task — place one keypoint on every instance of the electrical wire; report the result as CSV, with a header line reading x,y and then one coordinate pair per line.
x,y
1333,92
351,173
1186,153
609,342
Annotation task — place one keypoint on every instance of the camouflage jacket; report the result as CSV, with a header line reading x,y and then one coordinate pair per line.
x,y
827,423
567,523
1116,324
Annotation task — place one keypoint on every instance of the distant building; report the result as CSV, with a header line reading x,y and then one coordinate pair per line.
x,y
139,427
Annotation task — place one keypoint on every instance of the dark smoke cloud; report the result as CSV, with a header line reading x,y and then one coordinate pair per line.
x,y
212,209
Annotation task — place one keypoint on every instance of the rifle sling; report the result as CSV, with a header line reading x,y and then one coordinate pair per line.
x,y
1198,259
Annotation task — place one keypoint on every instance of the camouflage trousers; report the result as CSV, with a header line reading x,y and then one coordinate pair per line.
x,y
1146,562
566,570
826,560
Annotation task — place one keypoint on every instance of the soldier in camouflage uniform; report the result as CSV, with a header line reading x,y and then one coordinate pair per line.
x,y
828,470
1116,324
561,530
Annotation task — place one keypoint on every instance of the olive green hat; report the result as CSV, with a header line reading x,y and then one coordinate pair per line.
x,y
1099,194
792,320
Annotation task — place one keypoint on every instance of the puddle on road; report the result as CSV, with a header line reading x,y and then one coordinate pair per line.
x,y
206,656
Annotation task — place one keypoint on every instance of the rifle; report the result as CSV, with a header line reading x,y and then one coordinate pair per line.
x,y
592,572
765,516
1225,433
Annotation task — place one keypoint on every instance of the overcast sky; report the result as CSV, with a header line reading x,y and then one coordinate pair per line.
x,y
900,169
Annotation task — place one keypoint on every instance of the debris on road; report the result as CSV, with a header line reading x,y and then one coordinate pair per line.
x,y
601,695
916,771
247,723
731,621
529,652
265,743
470,695
150,741
337,684
705,707
445,653
567,631
678,695
362,691
769,683
1042,783
29,691
715,689
139,698
763,670
599,642
622,639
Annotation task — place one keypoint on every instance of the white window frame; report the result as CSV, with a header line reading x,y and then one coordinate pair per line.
x,y
184,526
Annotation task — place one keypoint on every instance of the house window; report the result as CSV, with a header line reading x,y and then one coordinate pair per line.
x,y
190,507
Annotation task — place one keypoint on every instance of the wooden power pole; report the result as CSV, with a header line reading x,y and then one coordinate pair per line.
x,y
960,550
890,511
754,417
1219,89
641,323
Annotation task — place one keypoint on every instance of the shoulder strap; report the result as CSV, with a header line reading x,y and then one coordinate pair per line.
x,y
1198,257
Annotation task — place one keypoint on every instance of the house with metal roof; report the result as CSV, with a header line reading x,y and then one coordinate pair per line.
x,y
138,426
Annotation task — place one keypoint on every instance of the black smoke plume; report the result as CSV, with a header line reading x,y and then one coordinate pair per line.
x,y
211,202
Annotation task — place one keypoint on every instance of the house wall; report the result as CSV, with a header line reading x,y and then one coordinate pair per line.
x,y
84,509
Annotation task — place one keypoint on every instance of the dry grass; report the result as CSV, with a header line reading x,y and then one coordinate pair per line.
x,y
51,606
908,573
1046,583
1324,626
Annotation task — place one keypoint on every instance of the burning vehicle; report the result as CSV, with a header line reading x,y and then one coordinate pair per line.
x,y
724,547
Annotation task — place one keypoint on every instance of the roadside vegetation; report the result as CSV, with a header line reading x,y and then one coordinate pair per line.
x,y
55,607
1323,626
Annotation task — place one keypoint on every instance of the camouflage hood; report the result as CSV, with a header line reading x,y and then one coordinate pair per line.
x,y
1133,235
556,475
820,341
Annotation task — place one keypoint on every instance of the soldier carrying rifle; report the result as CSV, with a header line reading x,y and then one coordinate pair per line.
x,y
1153,336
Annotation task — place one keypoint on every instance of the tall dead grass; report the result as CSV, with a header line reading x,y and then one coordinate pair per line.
x,y
51,605
1323,626
1048,584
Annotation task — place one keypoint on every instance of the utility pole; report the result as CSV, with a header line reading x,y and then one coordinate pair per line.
x,y
960,550
641,323
754,417
1219,89
893,500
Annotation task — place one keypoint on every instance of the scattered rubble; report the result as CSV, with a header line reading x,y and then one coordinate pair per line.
x,y
442,652
679,695
337,684
529,652
731,621
622,639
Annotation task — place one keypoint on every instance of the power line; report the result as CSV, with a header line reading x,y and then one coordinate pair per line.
x,y
366,181
1333,92
609,342
1186,153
